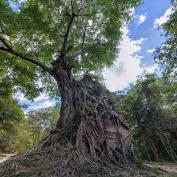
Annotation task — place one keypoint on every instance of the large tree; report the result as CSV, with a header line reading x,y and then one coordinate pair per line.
x,y
55,41
150,108
166,54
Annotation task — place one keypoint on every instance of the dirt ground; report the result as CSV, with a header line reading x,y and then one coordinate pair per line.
x,y
169,167
165,166
4,157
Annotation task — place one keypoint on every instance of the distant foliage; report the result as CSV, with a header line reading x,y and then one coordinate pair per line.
x,y
18,132
166,54
35,127
151,109
10,115
41,122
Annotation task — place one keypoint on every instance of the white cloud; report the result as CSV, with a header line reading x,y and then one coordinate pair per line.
x,y
128,64
150,51
42,101
45,104
163,18
132,12
141,18
19,96
41,97
150,69
21,1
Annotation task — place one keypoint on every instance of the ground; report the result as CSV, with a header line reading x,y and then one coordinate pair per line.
x,y
165,166
68,162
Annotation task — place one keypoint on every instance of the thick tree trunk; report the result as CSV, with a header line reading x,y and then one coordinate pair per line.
x,y
88,120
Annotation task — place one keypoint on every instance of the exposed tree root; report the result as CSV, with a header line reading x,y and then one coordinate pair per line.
x,y
66,161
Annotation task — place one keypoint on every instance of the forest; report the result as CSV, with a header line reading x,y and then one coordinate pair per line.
x,y
61,49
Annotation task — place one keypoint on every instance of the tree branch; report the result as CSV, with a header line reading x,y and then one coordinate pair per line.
x,y
84,36
3,41
73,14
64,46
7,48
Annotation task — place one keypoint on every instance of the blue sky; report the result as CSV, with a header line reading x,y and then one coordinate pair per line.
x,y
139,40
151,9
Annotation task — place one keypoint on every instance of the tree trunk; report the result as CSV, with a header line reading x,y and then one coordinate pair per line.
x,y
88,120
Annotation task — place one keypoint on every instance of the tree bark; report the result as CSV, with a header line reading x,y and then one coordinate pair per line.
x,y
88,120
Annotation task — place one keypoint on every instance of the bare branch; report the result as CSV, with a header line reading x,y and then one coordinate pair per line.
x,y
64,46
82,7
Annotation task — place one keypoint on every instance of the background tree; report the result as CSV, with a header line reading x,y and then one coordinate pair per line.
x,y
35,127
10,115
41,122
166,54
150,108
